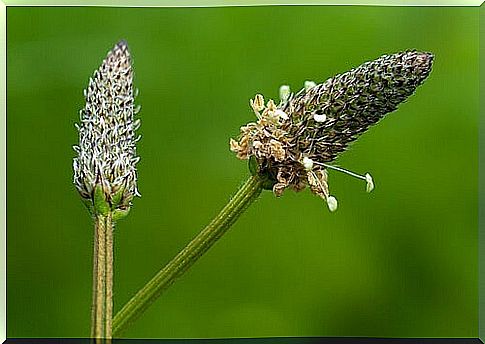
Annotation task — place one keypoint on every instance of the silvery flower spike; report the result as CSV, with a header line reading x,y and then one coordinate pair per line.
x,y
105,167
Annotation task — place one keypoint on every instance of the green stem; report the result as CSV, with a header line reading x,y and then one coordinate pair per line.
x,y
101,313
246,194
108,320
98,278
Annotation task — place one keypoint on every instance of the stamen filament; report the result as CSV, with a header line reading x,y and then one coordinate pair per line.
x,y
353,174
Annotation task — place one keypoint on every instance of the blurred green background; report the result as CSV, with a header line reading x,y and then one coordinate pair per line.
x,y
399,262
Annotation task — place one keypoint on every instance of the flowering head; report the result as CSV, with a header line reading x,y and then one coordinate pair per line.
x,y
105,165
292,144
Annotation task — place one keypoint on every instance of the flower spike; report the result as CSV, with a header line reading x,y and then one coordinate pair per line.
x,y
294,143
105,166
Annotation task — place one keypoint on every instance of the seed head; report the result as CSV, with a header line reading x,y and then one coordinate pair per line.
x,y
321,120
105,166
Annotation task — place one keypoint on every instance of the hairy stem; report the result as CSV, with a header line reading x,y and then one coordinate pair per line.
x,y
102,306
108,321
97,283
246,194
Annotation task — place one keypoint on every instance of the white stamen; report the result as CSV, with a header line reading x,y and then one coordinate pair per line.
x,y
342,170
285,93
307,163
309,84
332,203
370,182
319,117
281,114
367,177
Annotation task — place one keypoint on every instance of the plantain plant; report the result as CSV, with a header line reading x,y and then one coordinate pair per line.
x,y
290,145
